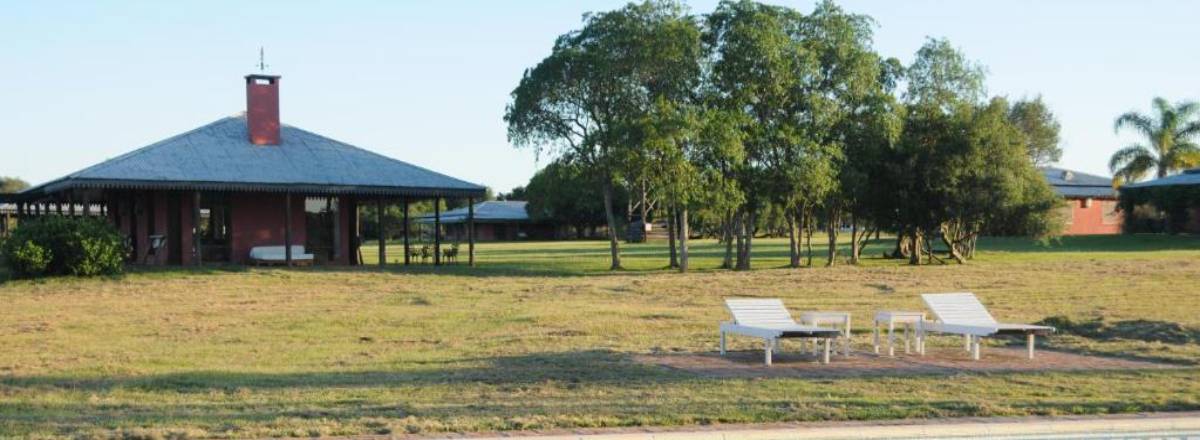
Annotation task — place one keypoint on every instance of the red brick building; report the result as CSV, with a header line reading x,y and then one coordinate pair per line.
x,y
1091,201
214,193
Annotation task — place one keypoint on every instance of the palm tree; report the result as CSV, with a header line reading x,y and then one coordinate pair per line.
x,y
1170,134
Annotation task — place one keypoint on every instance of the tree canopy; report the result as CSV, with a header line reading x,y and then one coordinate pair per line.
x,y
1169,141
9,185
758,118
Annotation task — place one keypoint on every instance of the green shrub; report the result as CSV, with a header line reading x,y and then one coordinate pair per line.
x,y
27,259
64,246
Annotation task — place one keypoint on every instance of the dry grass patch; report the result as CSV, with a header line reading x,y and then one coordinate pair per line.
x,y
536,340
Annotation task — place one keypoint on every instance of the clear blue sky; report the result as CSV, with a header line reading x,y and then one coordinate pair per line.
x,y
427,81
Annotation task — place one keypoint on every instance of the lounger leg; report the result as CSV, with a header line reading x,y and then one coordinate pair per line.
x,y
825,359
921,338
767,350
722,343
1029,344
891,339
975,349
846,342
875,333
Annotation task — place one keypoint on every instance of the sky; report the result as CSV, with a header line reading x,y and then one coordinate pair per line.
x,y
427,81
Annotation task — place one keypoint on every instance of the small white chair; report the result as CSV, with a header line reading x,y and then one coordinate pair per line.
x,y
963,314
769,319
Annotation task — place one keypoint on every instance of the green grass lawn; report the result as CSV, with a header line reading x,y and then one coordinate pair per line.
x,y
541,336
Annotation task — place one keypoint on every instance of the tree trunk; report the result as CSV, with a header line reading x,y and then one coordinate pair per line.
x,y
671,237
833,225
613,240
683,239
643,211
855,250
915,248
727,233
809,227
751,221
902,245
793,243
739,230
953,250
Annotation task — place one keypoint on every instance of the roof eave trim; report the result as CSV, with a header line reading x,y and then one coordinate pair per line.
x,y
309,188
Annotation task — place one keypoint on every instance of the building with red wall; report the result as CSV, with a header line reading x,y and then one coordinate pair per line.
x,y
1091,201
214,193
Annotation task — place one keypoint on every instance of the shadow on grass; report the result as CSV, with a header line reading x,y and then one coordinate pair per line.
x,y
534,391
1144,330
573,367
1093,243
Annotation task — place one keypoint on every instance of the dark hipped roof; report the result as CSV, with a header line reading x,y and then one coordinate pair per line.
x,y
485,212
220,157
1188,177
1074,184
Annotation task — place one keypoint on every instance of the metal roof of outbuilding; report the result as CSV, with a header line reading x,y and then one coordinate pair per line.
x,y
1074,184
219,156
491,211
1188,177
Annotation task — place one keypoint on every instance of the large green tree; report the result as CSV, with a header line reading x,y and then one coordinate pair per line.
x,y
961,164
584,101
781,70
1169,141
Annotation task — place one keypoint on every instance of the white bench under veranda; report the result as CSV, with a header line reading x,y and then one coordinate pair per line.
x,y
963,314
769,320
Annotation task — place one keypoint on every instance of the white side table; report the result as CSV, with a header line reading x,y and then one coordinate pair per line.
x,y
838,320
908,320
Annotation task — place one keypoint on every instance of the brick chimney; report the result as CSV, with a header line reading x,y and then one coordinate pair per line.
x,y
262,109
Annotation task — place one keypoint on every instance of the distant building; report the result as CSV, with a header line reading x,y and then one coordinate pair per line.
x,y
494,221
1188,178
217,192
1091,201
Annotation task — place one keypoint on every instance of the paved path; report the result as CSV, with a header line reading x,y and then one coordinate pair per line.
x,y
1184,425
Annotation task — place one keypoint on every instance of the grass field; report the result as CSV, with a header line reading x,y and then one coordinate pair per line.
x,y
541,336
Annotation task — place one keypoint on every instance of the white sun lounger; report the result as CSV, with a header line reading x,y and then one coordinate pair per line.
x,y
769,319
963,314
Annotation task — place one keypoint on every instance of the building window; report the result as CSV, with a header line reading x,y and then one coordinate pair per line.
x,y
1068,212
1087,203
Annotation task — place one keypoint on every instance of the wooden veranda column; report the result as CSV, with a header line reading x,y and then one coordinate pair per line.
x,y
133,224
437,231
287,228
337,226
197,246
471,231
407,253
354,242
382,233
